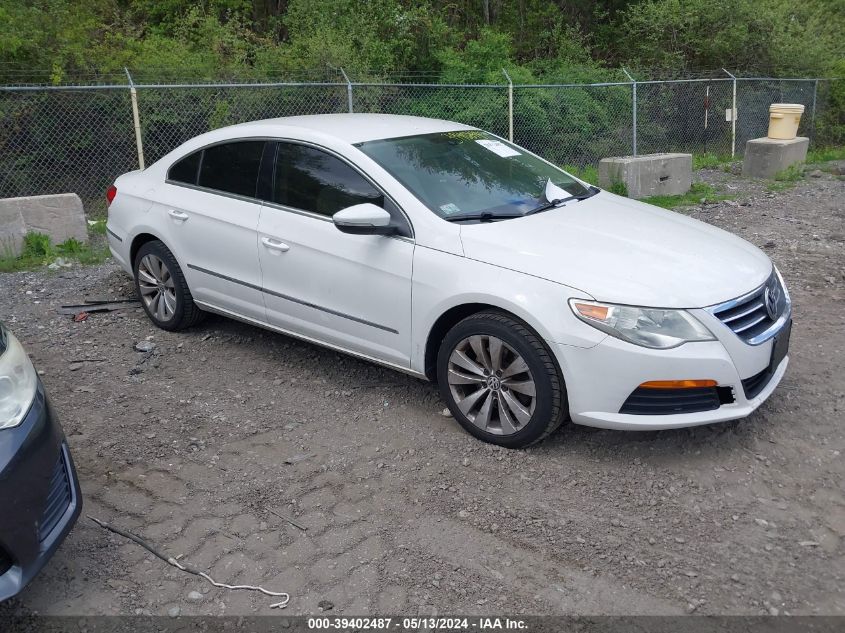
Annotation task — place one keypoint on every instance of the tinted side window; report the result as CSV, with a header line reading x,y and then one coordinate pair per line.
x,y
232,167
186,169
312,180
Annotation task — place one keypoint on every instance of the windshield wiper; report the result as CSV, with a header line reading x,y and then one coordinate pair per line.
x,y
551,204
484,216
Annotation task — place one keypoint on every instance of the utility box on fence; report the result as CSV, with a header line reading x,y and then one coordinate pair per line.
x,y
648,175
60,216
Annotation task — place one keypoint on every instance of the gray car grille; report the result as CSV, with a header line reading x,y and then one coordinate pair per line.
x,y
5,561
754,317
58,498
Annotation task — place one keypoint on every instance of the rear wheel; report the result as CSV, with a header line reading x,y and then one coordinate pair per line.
x,y
499,380
162,289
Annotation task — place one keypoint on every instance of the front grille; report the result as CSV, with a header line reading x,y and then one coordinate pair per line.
x,y
5,561
58,499
749,317
669,401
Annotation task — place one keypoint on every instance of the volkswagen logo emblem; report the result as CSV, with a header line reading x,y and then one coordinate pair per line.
x,y
771,298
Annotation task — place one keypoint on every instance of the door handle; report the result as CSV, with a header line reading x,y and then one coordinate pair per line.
x,y
177,215
275,245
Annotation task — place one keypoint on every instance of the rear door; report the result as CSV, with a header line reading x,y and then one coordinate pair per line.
x,y
211,211
353,291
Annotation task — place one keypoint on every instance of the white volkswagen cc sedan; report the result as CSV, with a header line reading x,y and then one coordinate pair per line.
x,y
446,252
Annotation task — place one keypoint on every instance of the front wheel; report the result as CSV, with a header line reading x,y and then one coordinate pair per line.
x,y
499,380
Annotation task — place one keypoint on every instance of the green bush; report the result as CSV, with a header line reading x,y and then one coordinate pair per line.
x,y
71,246
619,188
793,173
588,173
825,154
709,161
36,246
38,250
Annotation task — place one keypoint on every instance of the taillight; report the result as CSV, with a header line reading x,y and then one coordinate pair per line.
x,y
111,192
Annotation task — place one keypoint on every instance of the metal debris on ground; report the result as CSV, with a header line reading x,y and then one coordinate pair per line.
x,y
288,519
192,570
98,305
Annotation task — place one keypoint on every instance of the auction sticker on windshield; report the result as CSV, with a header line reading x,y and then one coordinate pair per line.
x,y
497,147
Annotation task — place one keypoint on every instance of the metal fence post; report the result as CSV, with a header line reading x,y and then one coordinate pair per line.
x,y
510,105
733,116
348,90
136,119
633,109
813,115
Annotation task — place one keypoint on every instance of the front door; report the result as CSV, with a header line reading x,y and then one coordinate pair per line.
x,y
352,291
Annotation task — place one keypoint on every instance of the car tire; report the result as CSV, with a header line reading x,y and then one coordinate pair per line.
x,y
500,381
162,289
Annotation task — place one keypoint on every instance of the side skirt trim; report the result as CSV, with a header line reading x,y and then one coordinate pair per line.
x,y
234,315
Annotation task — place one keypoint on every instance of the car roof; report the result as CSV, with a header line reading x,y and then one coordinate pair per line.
x,y
352,128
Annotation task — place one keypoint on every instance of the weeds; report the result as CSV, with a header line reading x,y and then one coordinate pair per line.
x,y
98,227
793,173
619,188
825,154
710,161
71,246
588,173
699,192
36,245
38,250
786,178
778,186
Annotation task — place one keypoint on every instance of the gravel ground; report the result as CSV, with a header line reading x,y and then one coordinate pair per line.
x,y
205,442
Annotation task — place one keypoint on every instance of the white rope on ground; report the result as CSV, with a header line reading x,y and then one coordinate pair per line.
x,y
192,570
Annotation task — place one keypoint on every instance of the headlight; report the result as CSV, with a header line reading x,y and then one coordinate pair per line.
x,y
18,381
654,328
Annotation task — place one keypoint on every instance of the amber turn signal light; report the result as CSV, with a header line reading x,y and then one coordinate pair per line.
x,y
599,313
677,384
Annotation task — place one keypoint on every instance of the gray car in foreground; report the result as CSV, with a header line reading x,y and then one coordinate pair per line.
x,y
40,498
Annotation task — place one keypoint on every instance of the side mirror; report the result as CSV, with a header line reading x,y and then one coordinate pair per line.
x,y
364,219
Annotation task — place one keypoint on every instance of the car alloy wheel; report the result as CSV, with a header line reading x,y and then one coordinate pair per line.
x,y
162,288
158,290
492,384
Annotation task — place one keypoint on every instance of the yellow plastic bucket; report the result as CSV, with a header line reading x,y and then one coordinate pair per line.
x,y
784,119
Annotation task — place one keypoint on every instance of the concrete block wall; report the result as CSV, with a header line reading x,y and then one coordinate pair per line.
x,y
60,216
648,175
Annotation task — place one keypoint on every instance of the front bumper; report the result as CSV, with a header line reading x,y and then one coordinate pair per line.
x,y
39,495
600,379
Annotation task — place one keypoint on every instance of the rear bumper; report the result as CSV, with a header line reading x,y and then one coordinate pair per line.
x,y
39,495
118,249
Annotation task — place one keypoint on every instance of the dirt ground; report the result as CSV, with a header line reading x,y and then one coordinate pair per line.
x,y
202,443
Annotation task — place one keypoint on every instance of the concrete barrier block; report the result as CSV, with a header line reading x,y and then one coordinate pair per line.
x,y
648,175
765,157
60,216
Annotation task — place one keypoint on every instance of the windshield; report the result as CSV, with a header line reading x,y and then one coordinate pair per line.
x,y
469,172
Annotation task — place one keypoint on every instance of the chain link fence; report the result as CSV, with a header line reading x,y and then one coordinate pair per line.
x,y
60,139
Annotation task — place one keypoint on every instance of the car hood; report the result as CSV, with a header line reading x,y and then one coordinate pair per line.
x,y
623,251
